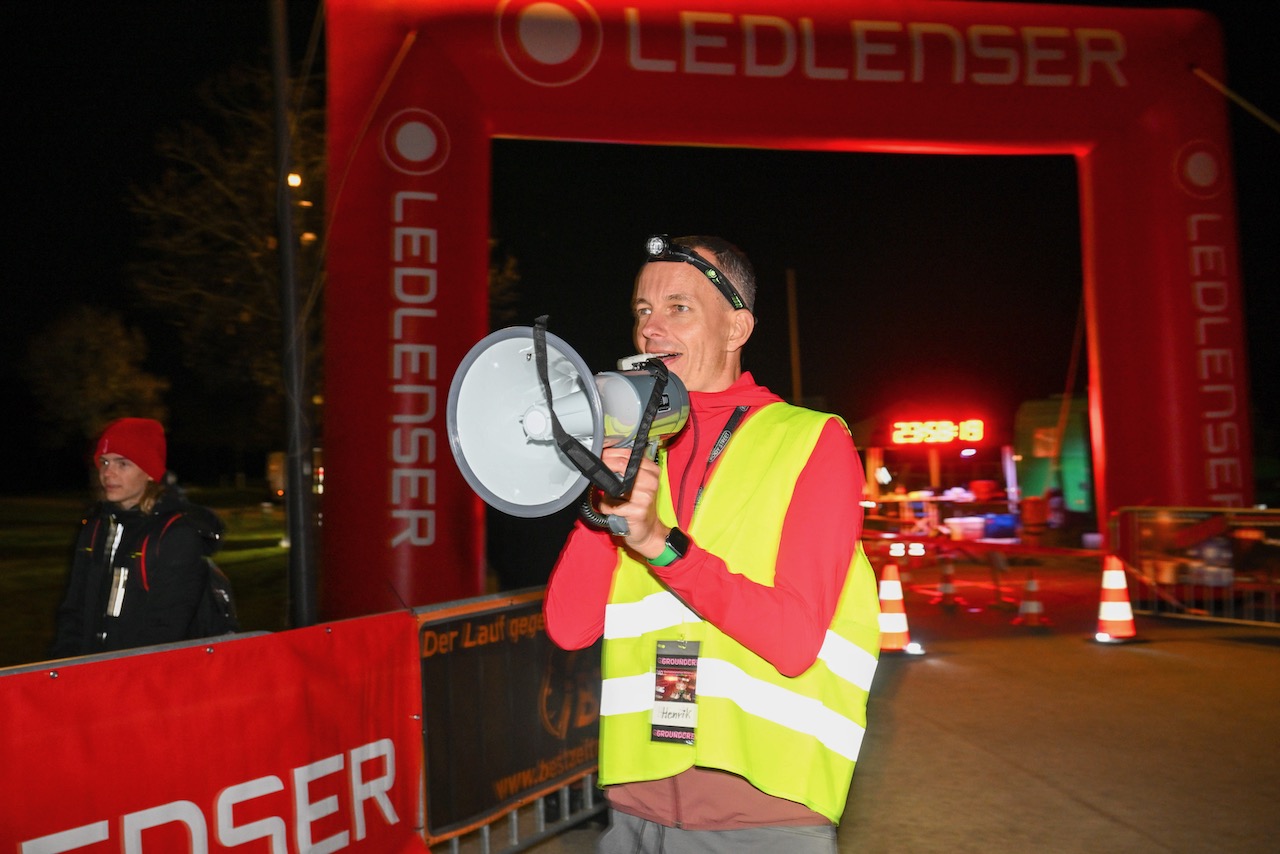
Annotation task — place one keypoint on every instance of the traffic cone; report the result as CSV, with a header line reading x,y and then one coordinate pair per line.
x,y
1115,617
1031,609
999,568
947,588
895,636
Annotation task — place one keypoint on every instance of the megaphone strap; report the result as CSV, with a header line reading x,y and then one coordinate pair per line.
x,y
591,466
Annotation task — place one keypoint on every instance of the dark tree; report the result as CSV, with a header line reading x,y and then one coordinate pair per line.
x,y
209,263
85,370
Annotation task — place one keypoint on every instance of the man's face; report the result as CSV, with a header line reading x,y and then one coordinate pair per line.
x,y
122,481
677,311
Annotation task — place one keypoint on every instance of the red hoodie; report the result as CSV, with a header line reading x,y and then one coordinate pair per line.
x,y
785,624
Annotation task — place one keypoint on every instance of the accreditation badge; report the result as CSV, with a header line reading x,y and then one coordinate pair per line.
x,y
675,692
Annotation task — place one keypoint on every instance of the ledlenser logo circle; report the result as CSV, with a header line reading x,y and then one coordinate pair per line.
x,y
1199,168
415,142
549,42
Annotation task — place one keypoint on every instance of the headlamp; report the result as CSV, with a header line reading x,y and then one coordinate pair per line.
x,y
660,248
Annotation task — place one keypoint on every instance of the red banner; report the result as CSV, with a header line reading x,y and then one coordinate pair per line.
x,y
304,740
418,89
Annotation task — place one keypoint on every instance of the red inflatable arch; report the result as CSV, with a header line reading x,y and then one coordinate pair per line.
x,y
418,88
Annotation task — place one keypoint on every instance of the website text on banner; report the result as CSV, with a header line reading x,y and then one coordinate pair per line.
x,y
509,715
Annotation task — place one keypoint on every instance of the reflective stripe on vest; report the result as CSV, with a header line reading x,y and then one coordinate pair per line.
x,y
718,678
664,611
658,611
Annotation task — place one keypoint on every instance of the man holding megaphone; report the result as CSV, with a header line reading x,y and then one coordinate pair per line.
x,y
739,612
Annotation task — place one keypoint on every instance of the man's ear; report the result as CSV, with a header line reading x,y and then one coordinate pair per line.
x,y
741,325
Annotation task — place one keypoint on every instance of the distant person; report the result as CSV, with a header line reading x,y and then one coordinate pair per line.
x,y
138,572
742,570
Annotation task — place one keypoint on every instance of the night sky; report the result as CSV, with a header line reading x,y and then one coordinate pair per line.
x,y
916,279
936,278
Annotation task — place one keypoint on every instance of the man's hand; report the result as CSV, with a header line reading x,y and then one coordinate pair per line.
x,y
647,536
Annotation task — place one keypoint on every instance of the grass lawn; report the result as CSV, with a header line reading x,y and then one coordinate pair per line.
x,y
37,535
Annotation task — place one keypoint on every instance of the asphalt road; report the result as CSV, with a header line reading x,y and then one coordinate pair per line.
x,y
1008,738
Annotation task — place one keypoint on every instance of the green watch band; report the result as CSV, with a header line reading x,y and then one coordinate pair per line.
x,y
676,547
668,557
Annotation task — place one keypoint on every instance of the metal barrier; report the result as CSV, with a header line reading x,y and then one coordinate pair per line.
x,y
1216,563
544,818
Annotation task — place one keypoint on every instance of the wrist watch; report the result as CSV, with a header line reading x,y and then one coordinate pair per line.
x,y
677,546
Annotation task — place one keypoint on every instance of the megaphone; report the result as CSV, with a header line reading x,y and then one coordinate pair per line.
x,y
503,412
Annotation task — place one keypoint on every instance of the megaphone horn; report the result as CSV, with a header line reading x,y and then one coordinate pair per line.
x,y
501,426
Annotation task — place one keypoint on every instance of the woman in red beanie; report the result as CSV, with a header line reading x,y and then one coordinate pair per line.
x,y
139,568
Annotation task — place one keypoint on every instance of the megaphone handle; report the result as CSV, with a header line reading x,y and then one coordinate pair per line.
x,y
587,463
616,524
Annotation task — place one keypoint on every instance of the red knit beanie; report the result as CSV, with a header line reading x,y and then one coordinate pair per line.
x,y
140,440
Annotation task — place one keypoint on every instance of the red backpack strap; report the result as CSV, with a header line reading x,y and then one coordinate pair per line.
x,y
142,562
93,536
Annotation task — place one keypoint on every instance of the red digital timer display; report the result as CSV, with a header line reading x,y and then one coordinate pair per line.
x,y
937,432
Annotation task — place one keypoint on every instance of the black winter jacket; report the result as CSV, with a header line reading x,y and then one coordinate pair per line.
x,y
159,568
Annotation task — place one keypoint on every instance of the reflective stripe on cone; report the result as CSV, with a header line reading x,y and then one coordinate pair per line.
x,y
895,636
947,589
1031,609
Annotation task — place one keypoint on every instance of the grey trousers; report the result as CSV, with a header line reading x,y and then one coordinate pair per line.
x,y
630,835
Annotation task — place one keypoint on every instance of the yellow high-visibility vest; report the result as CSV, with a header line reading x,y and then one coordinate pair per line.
x,y
795,738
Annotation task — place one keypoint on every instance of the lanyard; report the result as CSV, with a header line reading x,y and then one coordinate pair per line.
x,y
716,450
